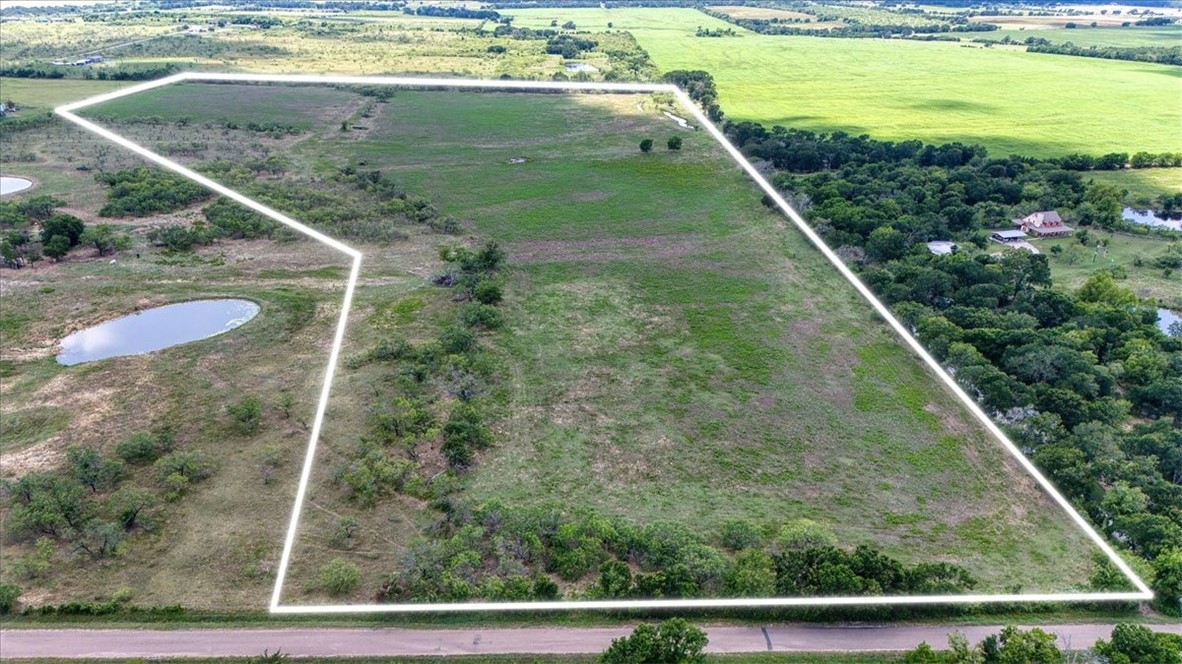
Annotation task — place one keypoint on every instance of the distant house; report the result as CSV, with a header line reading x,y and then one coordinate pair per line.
x,y
1043,224
941,247
1008,237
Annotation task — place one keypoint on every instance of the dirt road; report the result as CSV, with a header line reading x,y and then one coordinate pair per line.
x,y
126,643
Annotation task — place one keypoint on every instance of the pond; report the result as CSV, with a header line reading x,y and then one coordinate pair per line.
x,y
1150,218
11,185
1166,318
154,329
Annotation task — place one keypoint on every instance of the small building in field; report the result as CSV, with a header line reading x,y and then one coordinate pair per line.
x,y
1008,237
1043,224
941,247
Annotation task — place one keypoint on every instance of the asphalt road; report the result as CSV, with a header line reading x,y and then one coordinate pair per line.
x,y
317,642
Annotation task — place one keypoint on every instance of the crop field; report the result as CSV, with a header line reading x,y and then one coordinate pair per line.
x,y
899,89
672,352
1131,37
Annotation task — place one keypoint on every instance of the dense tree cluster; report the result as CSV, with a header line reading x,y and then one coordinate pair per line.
x,y
118,73
501,553
699,85
569,46
32,228
453,12
140,192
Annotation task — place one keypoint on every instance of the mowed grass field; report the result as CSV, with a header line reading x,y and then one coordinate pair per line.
x,y
1010,101
674,350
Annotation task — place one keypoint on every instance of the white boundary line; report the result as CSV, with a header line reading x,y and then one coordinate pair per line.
x,y
67,111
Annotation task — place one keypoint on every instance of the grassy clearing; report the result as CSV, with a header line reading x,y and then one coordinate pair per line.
x,y
663,324
899,89
1143,184
1071,268
29,93
301,107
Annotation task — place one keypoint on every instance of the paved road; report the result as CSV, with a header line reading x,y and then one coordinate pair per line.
x,y
124,643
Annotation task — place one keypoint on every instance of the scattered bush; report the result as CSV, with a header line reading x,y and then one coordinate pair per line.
x,y
339,577
486,316
142,447
247,414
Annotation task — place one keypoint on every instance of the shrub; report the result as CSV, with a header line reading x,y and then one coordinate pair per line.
x,y
186,464
487,291
236,221
446,225
804,534
143,447
339,577
457,340
65,225
674,143
738,534
9,594
646,145
247,414
484,316
674,641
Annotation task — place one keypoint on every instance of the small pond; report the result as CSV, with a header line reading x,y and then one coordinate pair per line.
x,y
581,66
154,329
1150,218
1166,318
11,185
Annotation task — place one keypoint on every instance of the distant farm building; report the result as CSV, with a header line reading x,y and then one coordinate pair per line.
x,y
1043,224
941,247
88,60
1008,237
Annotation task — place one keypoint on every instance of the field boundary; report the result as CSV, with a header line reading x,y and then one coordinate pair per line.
x,y
67,111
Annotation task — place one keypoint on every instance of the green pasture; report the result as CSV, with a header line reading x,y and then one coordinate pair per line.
x,y
34,93
1165,36
675,351
1008,100
301,107
1142,184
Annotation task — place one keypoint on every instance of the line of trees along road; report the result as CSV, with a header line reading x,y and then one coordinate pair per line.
x,y
1084,382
